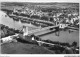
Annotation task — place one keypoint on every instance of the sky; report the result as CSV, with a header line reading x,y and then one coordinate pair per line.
x,y
77,1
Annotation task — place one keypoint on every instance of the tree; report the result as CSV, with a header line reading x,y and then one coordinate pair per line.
x,y
74,44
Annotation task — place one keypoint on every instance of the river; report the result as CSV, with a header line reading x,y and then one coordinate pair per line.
x,y
65,36
6,20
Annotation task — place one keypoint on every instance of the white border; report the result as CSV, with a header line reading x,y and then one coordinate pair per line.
x,y
77,1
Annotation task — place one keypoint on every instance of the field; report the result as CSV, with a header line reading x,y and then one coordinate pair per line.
x,y
24,48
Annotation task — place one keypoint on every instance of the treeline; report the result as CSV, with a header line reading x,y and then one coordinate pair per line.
x,y
6,31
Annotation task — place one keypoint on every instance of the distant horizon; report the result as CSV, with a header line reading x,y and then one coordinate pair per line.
x,y
36,2
48,4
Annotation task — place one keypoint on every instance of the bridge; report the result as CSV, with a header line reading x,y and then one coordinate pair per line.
x,y
41,29
73,28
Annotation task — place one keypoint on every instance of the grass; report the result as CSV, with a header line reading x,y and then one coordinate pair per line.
x,y
23,48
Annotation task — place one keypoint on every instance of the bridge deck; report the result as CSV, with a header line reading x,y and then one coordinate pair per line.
x,y
41,29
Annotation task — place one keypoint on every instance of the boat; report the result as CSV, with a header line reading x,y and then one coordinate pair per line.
x,y
25,21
